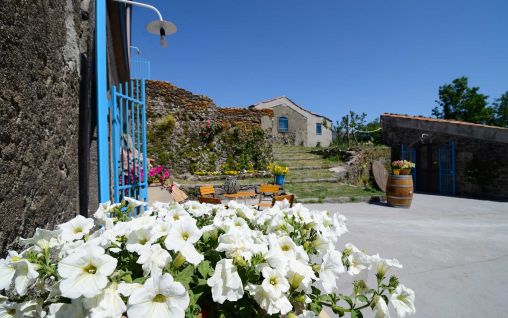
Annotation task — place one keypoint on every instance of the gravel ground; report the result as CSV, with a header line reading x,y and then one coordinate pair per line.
x,y
454,251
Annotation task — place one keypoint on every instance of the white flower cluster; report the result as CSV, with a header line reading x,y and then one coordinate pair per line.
x,y
179,260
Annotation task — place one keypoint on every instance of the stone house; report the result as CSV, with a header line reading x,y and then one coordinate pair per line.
x,y
56,63
452,157
293,124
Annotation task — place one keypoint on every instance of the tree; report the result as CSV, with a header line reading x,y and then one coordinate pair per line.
x,y
460,102
500,107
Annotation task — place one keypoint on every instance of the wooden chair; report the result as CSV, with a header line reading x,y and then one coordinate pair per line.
x,y
209,200
289,197
265,190
207,190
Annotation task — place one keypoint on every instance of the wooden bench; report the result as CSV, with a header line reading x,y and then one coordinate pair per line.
x,y
289,197
207,190
209,200
270,190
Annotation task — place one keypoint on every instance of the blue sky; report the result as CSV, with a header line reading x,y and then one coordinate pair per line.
x,y
329,55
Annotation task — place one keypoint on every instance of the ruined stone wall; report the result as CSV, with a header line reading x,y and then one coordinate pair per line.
x,y
191,134
40,46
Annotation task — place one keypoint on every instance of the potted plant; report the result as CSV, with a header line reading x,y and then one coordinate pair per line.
x,y
397,166
406,168
279,172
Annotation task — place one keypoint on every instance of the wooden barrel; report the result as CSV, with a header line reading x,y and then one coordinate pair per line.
x,y
399,191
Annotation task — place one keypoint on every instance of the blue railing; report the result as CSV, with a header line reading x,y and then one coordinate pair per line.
x,y
140,68
128,136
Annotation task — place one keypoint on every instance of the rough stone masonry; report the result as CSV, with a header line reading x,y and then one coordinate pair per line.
x,y
40,47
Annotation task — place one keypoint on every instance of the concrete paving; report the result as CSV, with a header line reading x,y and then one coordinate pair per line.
x,y
454,251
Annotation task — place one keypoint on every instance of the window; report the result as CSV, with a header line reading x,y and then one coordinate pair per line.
x,y
283,124
318,129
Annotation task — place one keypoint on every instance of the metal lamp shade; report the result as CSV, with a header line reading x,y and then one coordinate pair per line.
x,y
154,27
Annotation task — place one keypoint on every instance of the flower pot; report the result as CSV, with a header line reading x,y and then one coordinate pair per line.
x,y
405,171
396,172
279,179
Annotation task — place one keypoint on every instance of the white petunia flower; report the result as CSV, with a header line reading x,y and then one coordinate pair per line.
x,y
134,203
380,308
107,304
25,309
21,270
330,269
181,237
153,258
127,289
75,229
274,282
403,301
42,240
139,240
383,265
85,272
160,297
358,261
226,284
267,301
63,310
7,272
282,250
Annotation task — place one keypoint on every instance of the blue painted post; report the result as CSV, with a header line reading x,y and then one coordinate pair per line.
x,y
144,188
102,100
116,143
121,145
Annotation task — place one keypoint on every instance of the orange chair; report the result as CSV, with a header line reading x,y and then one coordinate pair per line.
x,y
266,190
209,200
289,197
207,190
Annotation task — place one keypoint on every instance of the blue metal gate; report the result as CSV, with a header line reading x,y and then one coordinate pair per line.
x,y
128,141
407,153
446,154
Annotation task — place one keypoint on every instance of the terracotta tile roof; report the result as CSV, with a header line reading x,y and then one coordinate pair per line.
x,y
448,121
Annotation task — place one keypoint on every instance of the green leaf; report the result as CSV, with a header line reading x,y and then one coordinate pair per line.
x,y
127,278
185,276
205,269
356,314
139,280
362,298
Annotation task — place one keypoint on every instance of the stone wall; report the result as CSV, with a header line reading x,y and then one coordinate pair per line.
x,y
190,133
40,69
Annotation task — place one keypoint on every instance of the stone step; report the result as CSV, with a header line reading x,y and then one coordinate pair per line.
x,y
290,152
295,159
310,167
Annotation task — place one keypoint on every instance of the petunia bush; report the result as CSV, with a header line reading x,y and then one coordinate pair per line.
x,y
195,259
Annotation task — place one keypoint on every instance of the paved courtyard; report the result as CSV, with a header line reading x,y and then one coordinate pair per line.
x,y
454,251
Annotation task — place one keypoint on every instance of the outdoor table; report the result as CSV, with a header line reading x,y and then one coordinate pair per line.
x,y
241,194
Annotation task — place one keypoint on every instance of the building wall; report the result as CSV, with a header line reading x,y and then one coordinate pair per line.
x,y
325,138
481,169
297,126
42,60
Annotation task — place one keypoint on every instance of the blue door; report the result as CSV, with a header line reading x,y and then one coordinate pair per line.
x,y
446,157
128,141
